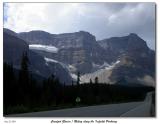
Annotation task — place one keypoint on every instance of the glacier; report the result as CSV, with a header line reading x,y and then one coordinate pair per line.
x,y
46,48
50,60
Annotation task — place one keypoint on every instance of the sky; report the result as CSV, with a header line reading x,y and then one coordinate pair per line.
x,y
103,20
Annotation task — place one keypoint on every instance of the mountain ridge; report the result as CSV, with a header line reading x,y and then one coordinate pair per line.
x,y
81,51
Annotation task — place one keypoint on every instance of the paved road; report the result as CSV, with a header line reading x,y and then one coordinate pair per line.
x,y
143,110
132,109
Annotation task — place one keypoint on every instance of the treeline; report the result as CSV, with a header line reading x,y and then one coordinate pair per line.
x,y
22,93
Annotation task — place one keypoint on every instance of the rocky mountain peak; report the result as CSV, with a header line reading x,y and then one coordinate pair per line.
x,y
136,43
84,33
86,37
133,35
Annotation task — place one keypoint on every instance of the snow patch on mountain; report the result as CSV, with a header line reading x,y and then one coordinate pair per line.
x,y
74,76
55,61
105,65
46,48
50,60
72,68
113,65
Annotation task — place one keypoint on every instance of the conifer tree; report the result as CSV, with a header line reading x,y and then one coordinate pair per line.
x,y
78,78
90,81
96,80
23,81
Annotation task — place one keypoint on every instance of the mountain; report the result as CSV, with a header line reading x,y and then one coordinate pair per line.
x,y
14,47
137,61
79,49
123,60
127,44
37,37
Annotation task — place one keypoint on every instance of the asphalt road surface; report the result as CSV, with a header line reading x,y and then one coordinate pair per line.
x,y
131,109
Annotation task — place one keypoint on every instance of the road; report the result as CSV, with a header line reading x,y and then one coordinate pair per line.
x,y
132,109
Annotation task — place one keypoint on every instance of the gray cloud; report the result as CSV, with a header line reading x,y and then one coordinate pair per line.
x,y
101,19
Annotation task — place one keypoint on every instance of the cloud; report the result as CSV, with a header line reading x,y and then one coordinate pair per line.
x,y
101,19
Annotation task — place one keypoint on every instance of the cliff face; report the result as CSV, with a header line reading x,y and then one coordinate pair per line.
x,y
79,49
125,60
